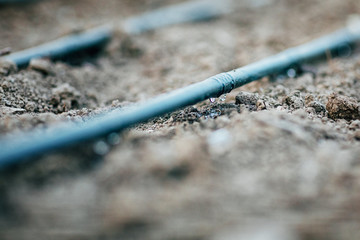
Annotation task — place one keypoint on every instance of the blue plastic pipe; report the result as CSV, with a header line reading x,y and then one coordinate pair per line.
x,y
191,11
62,47
33,144
180,13
16,1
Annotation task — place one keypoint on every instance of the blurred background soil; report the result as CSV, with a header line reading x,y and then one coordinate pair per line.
x,y
276,159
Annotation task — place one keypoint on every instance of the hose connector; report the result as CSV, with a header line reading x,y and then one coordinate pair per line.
x,y
226,81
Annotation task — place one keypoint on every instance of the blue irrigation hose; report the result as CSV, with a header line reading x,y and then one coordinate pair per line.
x,y
16,1
179,13
63,46
30,145
191,11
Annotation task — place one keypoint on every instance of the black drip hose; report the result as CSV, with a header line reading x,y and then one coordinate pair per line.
x,y
34,144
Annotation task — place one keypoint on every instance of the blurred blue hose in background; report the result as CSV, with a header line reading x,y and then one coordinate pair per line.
x,y
180,13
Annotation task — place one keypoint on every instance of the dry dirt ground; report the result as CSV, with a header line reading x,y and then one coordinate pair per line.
x,y
273,160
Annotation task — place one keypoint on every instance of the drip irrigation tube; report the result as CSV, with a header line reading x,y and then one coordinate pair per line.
x,y
192,11
34,144
180,13
62,47
16,1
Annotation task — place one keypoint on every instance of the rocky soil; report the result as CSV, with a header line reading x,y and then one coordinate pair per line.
x,y
276,159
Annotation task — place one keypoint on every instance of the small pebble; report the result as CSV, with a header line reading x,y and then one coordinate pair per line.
x,y
294,100
355,124
260,105
41,65
342,107
7,68
5,51
309,98
319,107
246,98
30,106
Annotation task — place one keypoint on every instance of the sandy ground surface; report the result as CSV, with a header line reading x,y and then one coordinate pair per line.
x,y
273,160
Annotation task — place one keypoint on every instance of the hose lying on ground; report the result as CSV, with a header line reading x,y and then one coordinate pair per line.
x,y
179,13
16,1
33,144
